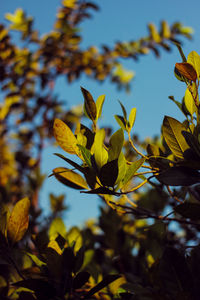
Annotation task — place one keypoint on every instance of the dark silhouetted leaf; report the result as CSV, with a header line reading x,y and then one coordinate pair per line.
x,y
108,173
89,104
179,176
80,279
189,210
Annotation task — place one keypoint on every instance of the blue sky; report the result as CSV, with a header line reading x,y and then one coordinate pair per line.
x,y
154,81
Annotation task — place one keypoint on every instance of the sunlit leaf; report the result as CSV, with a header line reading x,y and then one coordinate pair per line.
x,y
189,102
86,155
194,60
19,220
132,117
54,245
172,132
100,153
65,137
70,178
165,30
36,260
132,169
99,105
120,120
154,33
186,70
75,239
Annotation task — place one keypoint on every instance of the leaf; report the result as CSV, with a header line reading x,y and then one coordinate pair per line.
x,y
105,282
116,144
86,155
80,279
56,228
39,263
189,102
74,238
131,118
89,104
19,220
65,137
99,105
189,210
121,168
108,173
179,176
100,191
123,110
165,30
100,153
131,170
54,245
71,162
172,133
120,120
186,70
70,178
194,60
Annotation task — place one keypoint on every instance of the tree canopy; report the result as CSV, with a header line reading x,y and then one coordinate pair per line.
x,y
145,243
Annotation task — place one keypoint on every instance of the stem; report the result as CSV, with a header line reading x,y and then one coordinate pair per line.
x,y
133,146
172,194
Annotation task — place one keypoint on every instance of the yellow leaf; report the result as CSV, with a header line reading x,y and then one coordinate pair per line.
x,y
9,101
74,236
70,178
65,137
54,245
69,3
194,60
19,220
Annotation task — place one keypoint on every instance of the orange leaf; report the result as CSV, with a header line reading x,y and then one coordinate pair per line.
x,y
186,70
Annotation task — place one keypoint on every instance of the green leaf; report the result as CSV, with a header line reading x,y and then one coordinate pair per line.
x,y
179,176
108,173
19,220
121,121
39,263
131,118
116,144
194,60
131,170
74,238
100,153
189,210
172,133
86,155
70,178
89,104
121,168
99,105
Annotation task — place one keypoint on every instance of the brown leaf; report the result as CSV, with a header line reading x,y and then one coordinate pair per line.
x,y
186,70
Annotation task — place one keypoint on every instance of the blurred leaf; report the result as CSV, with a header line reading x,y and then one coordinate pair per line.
x,y
19,220
105,282
70,178
54,245
74,237
65,137
57,227
172,132
123,110
36,260
89,104
80,279
189,210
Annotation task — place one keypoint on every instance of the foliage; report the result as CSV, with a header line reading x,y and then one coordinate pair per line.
x,y
131,251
